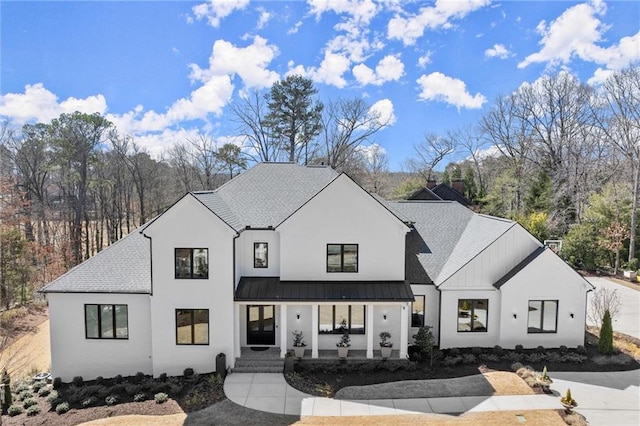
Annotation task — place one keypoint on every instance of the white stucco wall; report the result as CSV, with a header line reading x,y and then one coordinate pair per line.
x,y
244,253
450,337
495,261
188,224
74,355
546,278
431,309
342,213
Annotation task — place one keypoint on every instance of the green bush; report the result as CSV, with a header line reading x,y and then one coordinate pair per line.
x,y
497,349
29,402
476,350
161,398
468,358
139,397
138,378
118,379
188,372
44,391
163,377
25,394
89,402
21,387
563,349
77,381
516,366
14,410
99,380
62,408
605,343
581,350
111,400
33,410
519,349
540,349
57,382
38,385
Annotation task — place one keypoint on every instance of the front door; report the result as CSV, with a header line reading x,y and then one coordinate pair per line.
x,y
261,326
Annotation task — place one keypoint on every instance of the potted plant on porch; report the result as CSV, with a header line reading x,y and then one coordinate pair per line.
x,y
298,343
343,345
385,344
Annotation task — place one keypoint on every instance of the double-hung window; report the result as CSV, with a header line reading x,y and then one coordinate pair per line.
x,y
106,321
192,326
342,258
260,255
543,316
192,263
417,312
337,319
473,315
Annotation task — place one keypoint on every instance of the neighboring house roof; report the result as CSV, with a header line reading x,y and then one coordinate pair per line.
x,y
123,267
446,192
266,194
424,194
446,237
272,289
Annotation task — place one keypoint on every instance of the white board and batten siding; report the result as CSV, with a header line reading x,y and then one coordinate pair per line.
x,y
342,213
189,224
72,354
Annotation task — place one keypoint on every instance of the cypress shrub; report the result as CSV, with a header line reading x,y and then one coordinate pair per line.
x,y
605,344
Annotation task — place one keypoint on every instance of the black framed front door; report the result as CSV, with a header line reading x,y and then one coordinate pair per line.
x,y
261,325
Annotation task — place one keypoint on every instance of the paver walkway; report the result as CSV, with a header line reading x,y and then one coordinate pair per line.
x,y
602,397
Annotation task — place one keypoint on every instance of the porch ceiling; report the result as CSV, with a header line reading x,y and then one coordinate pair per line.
x,y
254,289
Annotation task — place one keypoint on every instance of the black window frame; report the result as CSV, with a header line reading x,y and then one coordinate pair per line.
x,y
191,257
472,316
342,245
541,330
193,334
255,247
99,319
413,315
335,330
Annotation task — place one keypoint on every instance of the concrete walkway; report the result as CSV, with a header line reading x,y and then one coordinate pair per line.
x,y
601,398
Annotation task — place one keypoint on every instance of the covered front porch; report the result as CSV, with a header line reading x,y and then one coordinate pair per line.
x,y
267,311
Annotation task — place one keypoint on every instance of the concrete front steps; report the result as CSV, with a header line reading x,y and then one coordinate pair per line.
x,y
244,365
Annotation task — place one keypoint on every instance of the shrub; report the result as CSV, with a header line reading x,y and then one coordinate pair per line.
x,y
89,402
111,400
450,361
553,357
118,379
513,356
138,378
161,398
33,410
581,350
188,372
497,349
132,389
575,358
139,397
620,359
21,387
535,357
25,394
519,349
605,343
44,391
516,366
62,408
454,352
563,349
476,350
77,381
489,357
38,385
163,377
53,396
426,343
176,388
119,389
99,380
540,349
29,402
57,383
14,410
468,358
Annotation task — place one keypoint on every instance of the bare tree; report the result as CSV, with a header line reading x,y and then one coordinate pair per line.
x,y
250,114
603,300
429,153
475,146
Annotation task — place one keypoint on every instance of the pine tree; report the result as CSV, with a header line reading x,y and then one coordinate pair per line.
x,y
605,344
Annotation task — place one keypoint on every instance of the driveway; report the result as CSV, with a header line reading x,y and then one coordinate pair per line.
x,y
628,319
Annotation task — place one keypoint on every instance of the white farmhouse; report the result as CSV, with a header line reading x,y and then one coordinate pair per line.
x,y
284,247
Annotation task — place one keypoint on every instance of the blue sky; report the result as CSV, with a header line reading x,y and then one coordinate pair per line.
x,y
165,71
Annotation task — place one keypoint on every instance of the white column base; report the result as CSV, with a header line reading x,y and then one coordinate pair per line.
x,y
283,331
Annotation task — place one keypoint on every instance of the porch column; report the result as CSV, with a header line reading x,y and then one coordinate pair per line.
x,y
369,331
236,331
283,331
404,330
314,331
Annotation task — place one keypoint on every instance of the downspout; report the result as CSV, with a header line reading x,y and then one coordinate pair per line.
x,y
150,259
234,264
439,313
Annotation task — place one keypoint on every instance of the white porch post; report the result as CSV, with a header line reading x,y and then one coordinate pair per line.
x,y
236,331
404,330
369,331
314,331
283,331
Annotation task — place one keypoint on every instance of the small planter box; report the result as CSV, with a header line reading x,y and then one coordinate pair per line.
x,y
299,351
385,351
343,352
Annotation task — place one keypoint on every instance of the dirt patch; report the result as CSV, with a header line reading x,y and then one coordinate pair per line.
x,y
533,417
25,340
506,383
168,420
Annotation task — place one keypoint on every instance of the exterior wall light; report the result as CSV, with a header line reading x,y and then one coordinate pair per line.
x,y
298,316
384,316
515,316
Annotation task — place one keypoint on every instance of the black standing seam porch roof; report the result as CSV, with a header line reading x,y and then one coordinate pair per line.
x,y
254,289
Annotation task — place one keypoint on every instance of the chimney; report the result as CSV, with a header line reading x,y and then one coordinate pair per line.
x,y
458,185
431,183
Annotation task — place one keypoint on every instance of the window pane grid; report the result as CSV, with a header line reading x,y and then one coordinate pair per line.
x,y
336,319
543,316
192,326
260,255
191,263
106,321
473,315
342,257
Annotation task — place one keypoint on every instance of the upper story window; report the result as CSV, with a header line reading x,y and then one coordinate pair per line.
x,y
417,312
106,321
543,316
473,314
192,263
342,258
260,255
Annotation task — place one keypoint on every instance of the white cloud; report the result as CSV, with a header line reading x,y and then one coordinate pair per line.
x,y
439,87
330,71
370,151
439,16
295,28
390,68
425,59
265,17
249,63
599,77
39,104
215,10
497,51
384,109
361,10
575,34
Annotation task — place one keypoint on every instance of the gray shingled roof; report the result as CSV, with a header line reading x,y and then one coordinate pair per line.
x,y
446,236
266,194
123,267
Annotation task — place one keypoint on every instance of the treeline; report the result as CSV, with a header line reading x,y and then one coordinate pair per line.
x,y
558,155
